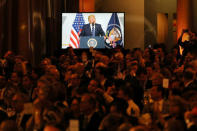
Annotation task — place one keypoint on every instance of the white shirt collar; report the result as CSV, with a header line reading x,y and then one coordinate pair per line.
x,y
91,26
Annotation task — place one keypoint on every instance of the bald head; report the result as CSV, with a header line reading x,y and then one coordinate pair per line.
x,y
8,125
50,128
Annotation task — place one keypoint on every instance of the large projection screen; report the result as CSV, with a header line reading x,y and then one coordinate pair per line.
x,y
101,18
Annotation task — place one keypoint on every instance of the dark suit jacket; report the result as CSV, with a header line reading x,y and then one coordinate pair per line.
x,y
86,30
136,89
93,124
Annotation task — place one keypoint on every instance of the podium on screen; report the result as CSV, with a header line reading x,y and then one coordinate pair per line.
x,y
89,41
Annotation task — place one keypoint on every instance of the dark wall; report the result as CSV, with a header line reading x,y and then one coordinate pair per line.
x,y
151,8
32,28
8,26
134,19
72,5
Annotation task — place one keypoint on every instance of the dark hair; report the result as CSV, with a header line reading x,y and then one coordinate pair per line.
x,y
148,64
128,90
9,125
160,89
121,105
102,70
29,77
91,99
112,122
141,71
188,75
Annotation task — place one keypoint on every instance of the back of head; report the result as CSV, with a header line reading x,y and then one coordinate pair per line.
x,y
90,99
50,128
112,121
125,127
138,128
180,103
128,91
87,104
8,125
189,74
121,105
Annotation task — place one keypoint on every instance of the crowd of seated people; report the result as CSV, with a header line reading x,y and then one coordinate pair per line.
x,y
108,90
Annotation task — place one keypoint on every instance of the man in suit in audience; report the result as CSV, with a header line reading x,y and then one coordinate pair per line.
x,y
22,115
159,105
90,119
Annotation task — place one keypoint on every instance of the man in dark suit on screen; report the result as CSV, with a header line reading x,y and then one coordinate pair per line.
x,y
92,29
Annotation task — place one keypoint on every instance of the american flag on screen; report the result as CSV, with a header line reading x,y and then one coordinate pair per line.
x,y
76,30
